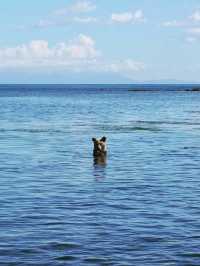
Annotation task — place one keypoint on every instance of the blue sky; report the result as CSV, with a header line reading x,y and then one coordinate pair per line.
x,y
88,41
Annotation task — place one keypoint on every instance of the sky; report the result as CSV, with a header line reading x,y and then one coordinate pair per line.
x,y
99,41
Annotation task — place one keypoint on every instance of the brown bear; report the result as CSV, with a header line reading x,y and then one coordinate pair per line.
x,y
99,151
99,146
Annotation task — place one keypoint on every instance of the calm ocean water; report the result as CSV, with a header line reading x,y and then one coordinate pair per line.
x,y
58,208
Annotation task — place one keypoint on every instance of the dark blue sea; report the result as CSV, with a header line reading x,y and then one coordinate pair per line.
x,y
58,207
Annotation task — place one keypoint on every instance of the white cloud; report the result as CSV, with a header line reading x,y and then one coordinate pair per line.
x,y
39,53
78,7
195,16
83,7
193,34
128,17
122,17
85,20
75,13
190,25
191,39
174,23
138,16
194,31
45,24
126,66
190,21
42,24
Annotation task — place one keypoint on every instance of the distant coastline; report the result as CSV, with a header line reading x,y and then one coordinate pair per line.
x,y
194,89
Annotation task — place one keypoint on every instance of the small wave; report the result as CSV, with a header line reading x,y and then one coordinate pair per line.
x,y
31,130
66,258
143,125
64,246
126,128
152,239
193,112
133,125
166,122
191,255
109,128
96,260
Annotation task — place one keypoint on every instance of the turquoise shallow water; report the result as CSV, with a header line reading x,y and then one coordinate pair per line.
x,y
58,208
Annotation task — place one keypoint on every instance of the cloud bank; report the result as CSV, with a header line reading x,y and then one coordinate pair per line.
x,y
39,53
81,12
78,55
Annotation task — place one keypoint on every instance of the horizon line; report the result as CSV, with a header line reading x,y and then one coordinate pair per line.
x,y
134,83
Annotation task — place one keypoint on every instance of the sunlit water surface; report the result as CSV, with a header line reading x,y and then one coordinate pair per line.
x,y
58,208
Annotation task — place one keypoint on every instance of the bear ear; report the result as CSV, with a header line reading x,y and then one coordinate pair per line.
x,y
93,139
103,139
